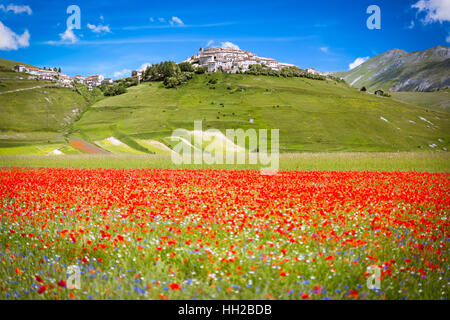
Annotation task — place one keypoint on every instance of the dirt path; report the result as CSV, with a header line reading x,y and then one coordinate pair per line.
x,y
22,89
87,147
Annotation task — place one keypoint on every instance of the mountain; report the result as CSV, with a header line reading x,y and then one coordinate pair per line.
x,y
398,70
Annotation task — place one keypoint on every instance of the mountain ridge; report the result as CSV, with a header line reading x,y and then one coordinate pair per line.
x,y
398,70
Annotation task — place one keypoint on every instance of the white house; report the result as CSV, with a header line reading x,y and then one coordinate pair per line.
x,y
78,79
107,81
232,60
20,68
94,80
314,71
137,74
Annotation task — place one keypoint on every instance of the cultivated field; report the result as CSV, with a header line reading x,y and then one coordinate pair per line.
x,y
343,161
205,234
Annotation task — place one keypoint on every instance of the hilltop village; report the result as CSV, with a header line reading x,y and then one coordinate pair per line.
x,y
230,60
212,59
66,80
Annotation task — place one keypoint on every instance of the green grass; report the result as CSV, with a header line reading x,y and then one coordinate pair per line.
x,y
38,116
16,83
11,80
38,149
44,109
439,100
116,149
312,115
11,63
343,161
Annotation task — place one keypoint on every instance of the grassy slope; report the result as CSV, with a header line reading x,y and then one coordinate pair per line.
x,y
33,121
395,67
439,100
37,116
10,80
311,115
11,63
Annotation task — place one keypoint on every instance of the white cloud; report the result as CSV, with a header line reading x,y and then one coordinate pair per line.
x,y
435,10
16,9
176,21
151,19
230,45
99,29
324,49
411,25
9,40
357,62
123,73
210,43
144,66
161,19
448,38
68,36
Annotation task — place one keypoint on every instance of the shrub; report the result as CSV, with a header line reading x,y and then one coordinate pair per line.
x,y
171,82
200,70
114,90
186,67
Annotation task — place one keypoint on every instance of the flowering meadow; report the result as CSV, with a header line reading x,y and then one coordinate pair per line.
x,y
210,234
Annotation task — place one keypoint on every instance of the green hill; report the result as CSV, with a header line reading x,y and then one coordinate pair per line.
x,y
439,100
312,115
35,115
9,64
398,70
11,80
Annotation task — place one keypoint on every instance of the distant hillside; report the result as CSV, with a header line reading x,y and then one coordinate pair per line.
x,y
11,80
37,113
398,70
312,115
439,100
11,63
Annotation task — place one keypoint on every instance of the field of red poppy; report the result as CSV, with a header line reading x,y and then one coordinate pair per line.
x,y
210,234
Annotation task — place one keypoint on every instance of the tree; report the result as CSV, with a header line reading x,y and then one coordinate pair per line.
x,y
170,69
363,89
59,70
113,90
200,70
186,67
171,82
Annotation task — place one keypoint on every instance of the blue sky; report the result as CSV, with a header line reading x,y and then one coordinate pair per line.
x,y
119,36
